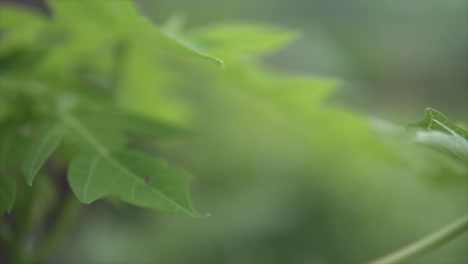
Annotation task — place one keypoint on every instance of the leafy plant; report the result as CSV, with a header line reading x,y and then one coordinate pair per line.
x,y
437,131
88,99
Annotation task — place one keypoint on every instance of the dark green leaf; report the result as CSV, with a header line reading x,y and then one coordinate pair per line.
x,y
108,15
133,177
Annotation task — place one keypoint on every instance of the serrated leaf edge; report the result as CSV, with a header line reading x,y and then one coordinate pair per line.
x,y
74,124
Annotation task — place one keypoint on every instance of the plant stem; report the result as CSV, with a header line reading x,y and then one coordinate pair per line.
x,y
61,226
426,244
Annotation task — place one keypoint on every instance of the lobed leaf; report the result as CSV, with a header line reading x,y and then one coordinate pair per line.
x,y
240,38
133,177
104,167
14,17
165,40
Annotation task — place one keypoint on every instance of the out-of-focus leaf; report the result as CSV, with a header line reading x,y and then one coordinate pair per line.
x,y
444,142
174,24
237,39
14,17
107,14
134,178
21,29
303,93
7,194
42,146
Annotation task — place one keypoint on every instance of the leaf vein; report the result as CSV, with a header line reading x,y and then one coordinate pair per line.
x,y
89,177
39,150
79,128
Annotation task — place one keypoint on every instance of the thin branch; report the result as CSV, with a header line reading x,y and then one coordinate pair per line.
x,y
426,244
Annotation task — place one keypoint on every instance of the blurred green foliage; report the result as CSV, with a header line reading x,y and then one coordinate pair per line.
x,y
397,57
288,176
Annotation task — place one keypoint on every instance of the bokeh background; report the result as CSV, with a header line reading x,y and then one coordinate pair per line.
x,y
395,57
274,199
329,190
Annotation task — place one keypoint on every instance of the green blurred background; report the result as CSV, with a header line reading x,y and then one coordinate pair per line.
x,y
274,198
395,57
318,188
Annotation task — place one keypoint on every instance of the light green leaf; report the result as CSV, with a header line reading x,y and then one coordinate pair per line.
x,y
231,39
106,17
174,24
7,194
105,168
166,40
14,17
439,132
42,146
443,142
133,177
107,14
436,121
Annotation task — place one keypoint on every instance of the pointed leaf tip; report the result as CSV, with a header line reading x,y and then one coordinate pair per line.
x,y
40,149
102,169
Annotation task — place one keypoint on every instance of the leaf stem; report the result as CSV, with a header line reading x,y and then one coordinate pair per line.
x,y
426,244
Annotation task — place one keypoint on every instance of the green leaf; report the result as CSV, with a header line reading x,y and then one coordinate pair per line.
x,y
7,194
42,146
133,177
105,168
107,15
436,121
239,38
112,119
14,17
166,40
438,131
